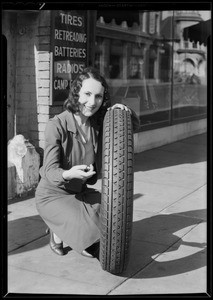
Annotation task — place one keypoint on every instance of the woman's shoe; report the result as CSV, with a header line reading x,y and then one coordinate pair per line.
x,y
57,248
92,251
87,254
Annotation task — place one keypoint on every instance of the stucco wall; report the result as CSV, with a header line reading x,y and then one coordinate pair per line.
x,y
158,137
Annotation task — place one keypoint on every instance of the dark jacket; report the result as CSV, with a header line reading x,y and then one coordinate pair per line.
x,y
64,149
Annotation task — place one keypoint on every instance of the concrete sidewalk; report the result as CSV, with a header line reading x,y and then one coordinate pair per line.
x,y
168,252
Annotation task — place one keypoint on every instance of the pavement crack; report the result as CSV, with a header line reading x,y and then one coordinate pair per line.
x,y
152,261
190,193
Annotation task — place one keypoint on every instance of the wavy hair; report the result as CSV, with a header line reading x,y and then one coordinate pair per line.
x,y
72,104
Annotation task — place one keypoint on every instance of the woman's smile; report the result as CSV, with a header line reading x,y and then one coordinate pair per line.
x,y
90,108
90,96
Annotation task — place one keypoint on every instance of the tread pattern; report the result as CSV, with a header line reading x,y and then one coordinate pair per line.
x,y
117,191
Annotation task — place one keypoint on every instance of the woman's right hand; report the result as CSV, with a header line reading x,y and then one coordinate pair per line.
x,y
82,172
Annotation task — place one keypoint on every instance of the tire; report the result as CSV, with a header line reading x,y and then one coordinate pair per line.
x,y
117,191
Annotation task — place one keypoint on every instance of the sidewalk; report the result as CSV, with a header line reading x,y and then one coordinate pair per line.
x,y
168,253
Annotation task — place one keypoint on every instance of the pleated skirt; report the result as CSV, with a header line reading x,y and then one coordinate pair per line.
x,y
73,217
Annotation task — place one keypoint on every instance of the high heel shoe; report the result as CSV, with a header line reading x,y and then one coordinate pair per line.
x,y
87,254
57,248
92,251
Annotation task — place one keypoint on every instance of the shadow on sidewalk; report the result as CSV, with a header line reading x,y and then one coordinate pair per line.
x,y
154,235
188,151
157,234
23,231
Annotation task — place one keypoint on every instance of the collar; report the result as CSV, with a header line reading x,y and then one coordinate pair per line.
x,y
71,125
70,121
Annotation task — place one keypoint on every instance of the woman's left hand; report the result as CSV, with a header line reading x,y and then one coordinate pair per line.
x,y
121,106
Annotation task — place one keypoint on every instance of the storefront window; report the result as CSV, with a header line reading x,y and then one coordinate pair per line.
x,y
144,59
190,67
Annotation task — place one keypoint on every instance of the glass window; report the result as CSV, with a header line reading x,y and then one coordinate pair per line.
x,y
136,59
190,65
143,56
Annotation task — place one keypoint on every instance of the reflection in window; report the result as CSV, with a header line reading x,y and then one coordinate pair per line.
x,y
190,65
145,58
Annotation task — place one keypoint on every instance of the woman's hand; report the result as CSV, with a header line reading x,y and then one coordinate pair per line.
x,y
82,172
121,106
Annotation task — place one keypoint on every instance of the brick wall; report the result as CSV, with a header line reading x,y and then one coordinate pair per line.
x,y
44,109
33,73
43,74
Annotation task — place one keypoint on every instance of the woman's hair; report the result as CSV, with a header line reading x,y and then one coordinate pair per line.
x,y
71,103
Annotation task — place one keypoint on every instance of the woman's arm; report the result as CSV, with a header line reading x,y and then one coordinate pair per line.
x,y
52,166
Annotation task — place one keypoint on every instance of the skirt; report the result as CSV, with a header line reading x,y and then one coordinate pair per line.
x,y
73,217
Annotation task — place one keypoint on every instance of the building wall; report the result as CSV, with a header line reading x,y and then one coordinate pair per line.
x,y
9,31
29,77
28,69
158,137
43,75
25,96
43,70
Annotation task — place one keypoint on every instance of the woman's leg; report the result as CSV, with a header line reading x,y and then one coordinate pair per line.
x,y
73,218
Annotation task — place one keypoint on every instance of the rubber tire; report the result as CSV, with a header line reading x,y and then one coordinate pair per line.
x,y
117,191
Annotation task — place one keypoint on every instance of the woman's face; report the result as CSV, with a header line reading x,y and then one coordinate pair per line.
x,y
90,96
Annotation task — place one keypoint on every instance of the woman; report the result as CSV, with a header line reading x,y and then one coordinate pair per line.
x,y
72,159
